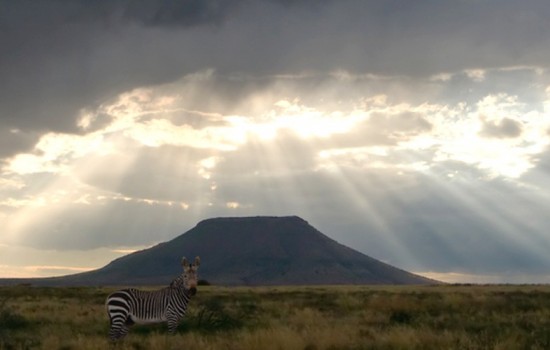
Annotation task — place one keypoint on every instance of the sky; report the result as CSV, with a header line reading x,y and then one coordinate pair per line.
x,y
416,132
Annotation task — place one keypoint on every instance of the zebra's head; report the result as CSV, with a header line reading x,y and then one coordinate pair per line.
x,y
190,275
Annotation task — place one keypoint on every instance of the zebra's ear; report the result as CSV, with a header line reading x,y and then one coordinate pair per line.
x,y
184,262
197,261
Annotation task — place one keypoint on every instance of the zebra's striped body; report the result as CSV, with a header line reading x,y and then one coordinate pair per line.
x,y
128,306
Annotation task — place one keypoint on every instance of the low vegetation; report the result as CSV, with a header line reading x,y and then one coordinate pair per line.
x,y
352,317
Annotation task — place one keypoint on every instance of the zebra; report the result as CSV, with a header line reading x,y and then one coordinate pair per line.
x,y
128,306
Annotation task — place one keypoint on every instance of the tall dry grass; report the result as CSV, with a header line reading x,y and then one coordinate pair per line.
x,y
312,318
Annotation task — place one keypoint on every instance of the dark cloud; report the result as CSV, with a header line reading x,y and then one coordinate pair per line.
x,y
179,13
115,223
15,141
538,175
505,128
166,173
401,125
62,57
383,129
59,56
459,87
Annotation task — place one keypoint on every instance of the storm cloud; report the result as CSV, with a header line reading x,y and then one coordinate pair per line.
x,y
416,132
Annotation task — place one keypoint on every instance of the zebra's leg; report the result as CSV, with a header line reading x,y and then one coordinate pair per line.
x,y
119,316
116,332
172,326
172,320
119,328
123,331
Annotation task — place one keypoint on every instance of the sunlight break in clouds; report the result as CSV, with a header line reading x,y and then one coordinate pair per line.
x,y
416,132
157,151
456,277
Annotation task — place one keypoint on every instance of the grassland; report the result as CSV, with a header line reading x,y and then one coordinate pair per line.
x,y
352,317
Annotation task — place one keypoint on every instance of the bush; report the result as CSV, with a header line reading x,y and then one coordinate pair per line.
x,y
400,317
10,320
213,316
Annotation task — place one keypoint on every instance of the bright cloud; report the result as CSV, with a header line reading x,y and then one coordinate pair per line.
x,y
498,134
417,134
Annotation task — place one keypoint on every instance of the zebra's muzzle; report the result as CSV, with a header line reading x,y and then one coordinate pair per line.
x,y
192,291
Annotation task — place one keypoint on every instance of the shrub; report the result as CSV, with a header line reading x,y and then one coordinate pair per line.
x,y
10,320
213,316
400,317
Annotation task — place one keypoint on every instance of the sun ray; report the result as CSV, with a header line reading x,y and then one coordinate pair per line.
x,y
367,158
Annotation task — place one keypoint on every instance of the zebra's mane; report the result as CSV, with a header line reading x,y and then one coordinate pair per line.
x,y
178,282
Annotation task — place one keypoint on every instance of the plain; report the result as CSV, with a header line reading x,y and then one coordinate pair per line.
x,y
321,317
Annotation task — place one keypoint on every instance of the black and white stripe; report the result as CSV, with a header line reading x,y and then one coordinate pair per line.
x,y
128,306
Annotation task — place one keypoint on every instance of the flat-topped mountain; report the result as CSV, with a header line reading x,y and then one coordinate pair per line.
x,y
247,251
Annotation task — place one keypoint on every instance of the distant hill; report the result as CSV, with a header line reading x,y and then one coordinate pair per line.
x,y
246,251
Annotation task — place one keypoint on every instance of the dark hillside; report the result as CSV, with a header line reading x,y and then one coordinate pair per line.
x,y
248,251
